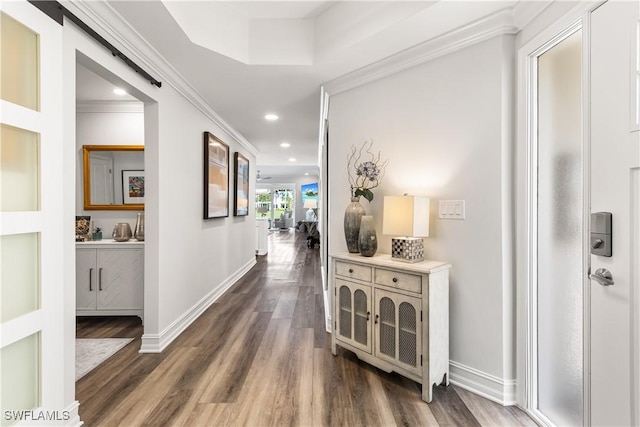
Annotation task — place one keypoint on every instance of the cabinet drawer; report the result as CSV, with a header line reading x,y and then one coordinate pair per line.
x,y
396,279
354,271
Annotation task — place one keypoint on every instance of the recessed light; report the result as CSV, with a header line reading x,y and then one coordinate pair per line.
x,y
285,145
119,91
306,173
271,117
291,159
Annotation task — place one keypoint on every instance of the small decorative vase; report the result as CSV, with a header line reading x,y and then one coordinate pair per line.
x,y
352,217
97,236
367,241
139,230
121,232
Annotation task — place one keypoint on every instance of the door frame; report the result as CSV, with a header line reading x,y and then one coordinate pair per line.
x,y
526,205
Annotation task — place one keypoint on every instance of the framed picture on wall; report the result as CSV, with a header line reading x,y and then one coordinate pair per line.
x,y
132,187
216,177
241,184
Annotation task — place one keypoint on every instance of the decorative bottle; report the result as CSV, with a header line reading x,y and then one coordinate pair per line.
x,y
367,241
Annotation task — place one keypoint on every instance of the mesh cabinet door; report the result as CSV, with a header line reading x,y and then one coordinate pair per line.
x,y
387,327
346,311
361,317
354,314
399,330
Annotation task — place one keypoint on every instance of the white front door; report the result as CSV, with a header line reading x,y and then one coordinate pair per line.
x,y
615,188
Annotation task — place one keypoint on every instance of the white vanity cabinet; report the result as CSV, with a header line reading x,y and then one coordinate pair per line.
x,y
110,278
393,315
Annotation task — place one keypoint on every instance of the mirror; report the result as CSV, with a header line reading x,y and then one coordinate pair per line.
x,y
113,177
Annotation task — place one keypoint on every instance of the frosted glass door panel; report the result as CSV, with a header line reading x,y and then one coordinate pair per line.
x,y
19,170
559,271
20,365
20,275
18,63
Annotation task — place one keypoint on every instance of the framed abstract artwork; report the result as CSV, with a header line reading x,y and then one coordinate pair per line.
x,y
241,184
132,187
216,177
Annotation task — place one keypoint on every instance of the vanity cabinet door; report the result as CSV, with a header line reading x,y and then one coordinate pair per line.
x,y
353,314
86,286
120,279
398,330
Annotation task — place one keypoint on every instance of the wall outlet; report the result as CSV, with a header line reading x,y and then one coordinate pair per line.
x,y
451,209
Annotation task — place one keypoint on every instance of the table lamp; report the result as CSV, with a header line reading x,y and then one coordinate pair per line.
x,y
311,205
407,217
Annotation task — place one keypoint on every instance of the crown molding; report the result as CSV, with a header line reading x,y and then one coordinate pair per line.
x,y
102,18
497,24
525,11
110,107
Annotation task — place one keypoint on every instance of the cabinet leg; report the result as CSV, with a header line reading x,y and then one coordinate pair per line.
x,y
427,392
334,348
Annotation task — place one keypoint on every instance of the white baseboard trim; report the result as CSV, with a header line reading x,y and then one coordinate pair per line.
x,y
74,415
156,343
327,311
483,384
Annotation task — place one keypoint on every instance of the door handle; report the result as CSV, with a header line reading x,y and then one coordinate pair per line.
x,y
90,279
602,276
100,279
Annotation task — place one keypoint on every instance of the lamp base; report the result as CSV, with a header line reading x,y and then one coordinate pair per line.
x,y
407,249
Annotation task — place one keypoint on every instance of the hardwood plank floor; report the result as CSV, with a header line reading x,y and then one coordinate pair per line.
x,y
260,356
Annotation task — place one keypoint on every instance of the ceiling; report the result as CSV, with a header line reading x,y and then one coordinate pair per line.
x,y
251,58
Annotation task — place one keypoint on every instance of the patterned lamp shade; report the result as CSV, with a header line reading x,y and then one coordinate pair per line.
x,y
408,217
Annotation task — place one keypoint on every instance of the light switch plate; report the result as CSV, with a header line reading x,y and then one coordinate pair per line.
x,y
451,209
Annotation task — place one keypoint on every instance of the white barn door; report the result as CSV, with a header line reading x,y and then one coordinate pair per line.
x,y
31,216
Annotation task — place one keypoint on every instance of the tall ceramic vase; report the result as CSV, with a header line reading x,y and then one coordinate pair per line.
x,y
367,240
352,217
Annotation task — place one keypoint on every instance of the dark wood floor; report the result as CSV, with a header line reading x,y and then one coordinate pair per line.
x,y
260,356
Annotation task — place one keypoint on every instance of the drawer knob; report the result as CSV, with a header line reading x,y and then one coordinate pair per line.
x,y
351,270
395,280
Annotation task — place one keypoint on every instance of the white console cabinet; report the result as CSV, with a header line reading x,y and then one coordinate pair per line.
x,y
393,315
110,278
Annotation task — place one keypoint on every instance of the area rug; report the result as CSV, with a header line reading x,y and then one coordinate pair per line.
x,y
92,352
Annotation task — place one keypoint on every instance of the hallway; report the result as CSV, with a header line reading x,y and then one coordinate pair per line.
x,y
260,356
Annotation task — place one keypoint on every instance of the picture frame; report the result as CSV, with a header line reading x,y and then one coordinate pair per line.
x,y
83,227
216,177
132,187
309,191
241,185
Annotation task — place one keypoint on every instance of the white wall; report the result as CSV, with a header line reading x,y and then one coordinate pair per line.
x,y
106,127
445,127
188,260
